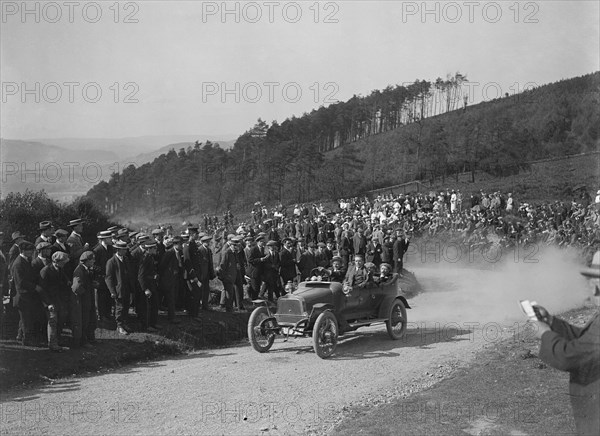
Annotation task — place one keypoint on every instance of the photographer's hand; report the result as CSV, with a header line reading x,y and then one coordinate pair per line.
x,y
540,328
542,315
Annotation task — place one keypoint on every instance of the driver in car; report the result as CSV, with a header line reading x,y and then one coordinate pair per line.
x,y
336,272
358,275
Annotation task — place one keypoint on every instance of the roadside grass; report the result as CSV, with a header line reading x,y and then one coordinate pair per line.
x,y
507,390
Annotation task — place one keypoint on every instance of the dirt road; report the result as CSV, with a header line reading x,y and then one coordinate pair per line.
x,y
239,391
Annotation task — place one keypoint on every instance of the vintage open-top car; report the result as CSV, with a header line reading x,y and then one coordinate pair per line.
x,y
325,309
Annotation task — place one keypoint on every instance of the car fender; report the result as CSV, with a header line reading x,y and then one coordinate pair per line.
x,y
384,308
319,308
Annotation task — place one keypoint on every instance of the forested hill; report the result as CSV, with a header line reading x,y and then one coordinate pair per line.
x,y
392,136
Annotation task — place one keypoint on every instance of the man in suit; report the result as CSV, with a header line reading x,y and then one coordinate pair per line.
x,y
75,240
120,286
359,242
46,231
206,271
103,251
170,273
25,282
374,251
257,255
287,262
345,246
227,272
83,307
271,270
55,292
321,258
307,261
400,247
249,267
147,308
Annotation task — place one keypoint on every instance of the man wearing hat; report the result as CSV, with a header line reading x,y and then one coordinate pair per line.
x,y
43,258
576,350
399,249
55,292
256,272
271,270
192,267
227,272
307,261
147,304
170,272
25,282
60,244
75,240
46,231
14,251
4,287
206,271
321,256
83,308
120,285
287,261
103,251
336,272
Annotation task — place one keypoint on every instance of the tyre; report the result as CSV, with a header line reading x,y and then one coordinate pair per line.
x,y
325,334
259,330
396,322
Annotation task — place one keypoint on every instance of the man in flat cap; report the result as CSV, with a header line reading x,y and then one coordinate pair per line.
x,y
25,300
55,292
60,244
103,251
120,284
83,308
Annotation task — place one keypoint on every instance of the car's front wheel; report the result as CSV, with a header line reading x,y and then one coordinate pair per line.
x,y
260,330
325,334
396,322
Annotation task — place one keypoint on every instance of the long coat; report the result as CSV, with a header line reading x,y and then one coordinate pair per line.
x,y
118,277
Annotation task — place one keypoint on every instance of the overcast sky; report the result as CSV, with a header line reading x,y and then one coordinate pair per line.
x,y
177,63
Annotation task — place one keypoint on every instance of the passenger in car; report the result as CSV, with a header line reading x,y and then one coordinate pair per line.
x,y
358,275
386,276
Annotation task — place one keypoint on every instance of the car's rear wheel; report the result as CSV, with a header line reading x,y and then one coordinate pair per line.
x,y
260,331
325,334
396,322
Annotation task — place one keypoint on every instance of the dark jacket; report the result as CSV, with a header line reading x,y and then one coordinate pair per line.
x,y
577,350
54,286
118,277
228,269
83,282
287,263
25,281
147,273
256,255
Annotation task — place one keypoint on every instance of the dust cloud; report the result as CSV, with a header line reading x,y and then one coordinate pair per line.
x,y
470,294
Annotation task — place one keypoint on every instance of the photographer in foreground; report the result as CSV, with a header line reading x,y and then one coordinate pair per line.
x,y
576,350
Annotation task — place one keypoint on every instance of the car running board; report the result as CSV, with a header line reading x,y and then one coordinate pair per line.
x,y
364,322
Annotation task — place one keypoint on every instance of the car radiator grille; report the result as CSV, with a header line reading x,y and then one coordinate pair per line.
x,y
289,311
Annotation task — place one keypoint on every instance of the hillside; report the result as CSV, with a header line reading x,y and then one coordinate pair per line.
x,y
351,147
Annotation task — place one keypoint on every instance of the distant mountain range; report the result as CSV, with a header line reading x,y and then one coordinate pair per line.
x,y
131,146
68,167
